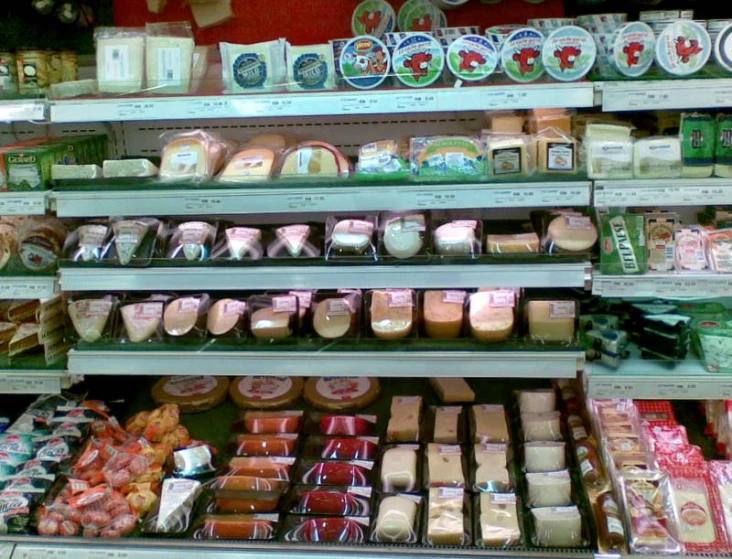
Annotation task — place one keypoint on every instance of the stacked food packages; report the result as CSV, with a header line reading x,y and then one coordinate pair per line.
x,y
30,327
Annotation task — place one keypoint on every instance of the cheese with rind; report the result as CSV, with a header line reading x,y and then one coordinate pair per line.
x,y
191,394
341,393
443,313
266,392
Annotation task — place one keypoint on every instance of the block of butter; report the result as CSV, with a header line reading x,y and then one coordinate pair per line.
x,y
405,420
491,472
552,321
452,390
549,489
443,313
445,516
488,424
499,521
445,466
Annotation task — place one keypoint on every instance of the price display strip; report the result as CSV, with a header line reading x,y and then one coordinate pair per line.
x,y
27,287
144,110
23,203
29,382
673,193
669,94
16,111
202,204
499,196
666,285
671,386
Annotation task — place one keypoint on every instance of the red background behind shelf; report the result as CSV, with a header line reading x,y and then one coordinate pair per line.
x,y
305,22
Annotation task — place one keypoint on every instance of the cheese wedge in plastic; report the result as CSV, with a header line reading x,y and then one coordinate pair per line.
x,y
251,164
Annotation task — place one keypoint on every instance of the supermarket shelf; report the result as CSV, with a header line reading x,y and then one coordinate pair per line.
x,y
326,277
663,284
669,192
24,203
25,381
18,110
318,198
27,287
666,94
400,364
637,378
351,102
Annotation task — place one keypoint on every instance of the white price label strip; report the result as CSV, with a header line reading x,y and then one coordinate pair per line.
x,y
411,102
435,200
306,201
502,99
136,110
22,111
603,389
206,108
360,104
30,385
680,389
202,204
22,205
6,550
30,288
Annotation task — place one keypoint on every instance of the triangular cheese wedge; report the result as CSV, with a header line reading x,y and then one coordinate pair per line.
x,y
128,236
142,320
89,317
252,164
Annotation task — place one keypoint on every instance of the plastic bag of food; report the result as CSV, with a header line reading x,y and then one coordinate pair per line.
x,y
196,155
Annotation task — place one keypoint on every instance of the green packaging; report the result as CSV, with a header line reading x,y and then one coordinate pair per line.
x,y
723,148
623,243
30,168
697,133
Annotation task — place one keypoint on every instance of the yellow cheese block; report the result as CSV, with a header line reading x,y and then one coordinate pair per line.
x,y
488,322
271,325
251,164
443,313
506,123
389,321
512,244
552,321
277,142
452,390
556,154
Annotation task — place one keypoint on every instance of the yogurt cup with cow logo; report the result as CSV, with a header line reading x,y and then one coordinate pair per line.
x,y
569,54
472,58
418,60
521,55
364,62
683,48
634,47
373,17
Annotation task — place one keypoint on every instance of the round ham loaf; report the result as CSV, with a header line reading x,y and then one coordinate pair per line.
x,y
341,393
191,394
266,392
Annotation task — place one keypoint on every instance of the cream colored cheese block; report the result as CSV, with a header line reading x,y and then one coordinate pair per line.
x,y
142,320
123,168
276,142
506,123
333,318
489,323
491,472
557,526
185,158
537,401
445,517
249,165
445,466
224,315
549,489
311,161
456,238
541,426
452,390
396,521
489,424
352,234
405,420
556,155
443,313
268,324
212,12
499,521
544,456
89,317
551,321
65,172
390,322
572,233
404,237
399,469
512,244
181,315
446,425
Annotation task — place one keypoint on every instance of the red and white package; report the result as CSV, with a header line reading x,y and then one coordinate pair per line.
x,y
670,455
666,434
720,477
656,411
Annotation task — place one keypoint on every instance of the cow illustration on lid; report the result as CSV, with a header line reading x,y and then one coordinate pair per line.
x,y
567,56
419,64
687,48
470,60
526,59
632,52
370,20
423,23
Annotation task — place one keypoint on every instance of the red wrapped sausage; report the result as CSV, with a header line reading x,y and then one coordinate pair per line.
x,y
249,483
245,502
263,445
345,425
261,466
332,502
328,530
338,473
262,422
350,449
236,527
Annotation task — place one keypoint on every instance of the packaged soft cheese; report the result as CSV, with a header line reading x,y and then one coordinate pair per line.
x,y
254,68
310,67
169,57
120,59
196,155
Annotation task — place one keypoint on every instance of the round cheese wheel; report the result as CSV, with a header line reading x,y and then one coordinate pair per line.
x,y
265,392
191,394
332,318
341,393
572,233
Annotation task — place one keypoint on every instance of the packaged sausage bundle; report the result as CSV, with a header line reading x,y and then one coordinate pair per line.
x,y
339,425
228,501
243,444
326,529
345,448
267,467
268,422
359,473
236,527
331,501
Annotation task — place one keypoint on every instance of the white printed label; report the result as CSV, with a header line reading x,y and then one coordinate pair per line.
x,y
406,400
117,63
185,387
494,448
148,310
502,299
304,298
614,525
185,159
503,499
189,305
402,298
343,388
169,70
92,235
449,450
467,223
450,493
563,309
452,410
264,388
285,303
585,467
578,222
338,307
492,408
361,491
294,237
454,297
364,227
235,308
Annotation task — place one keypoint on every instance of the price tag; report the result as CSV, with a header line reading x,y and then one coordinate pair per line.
x,y
23,552
27,288
30,385
607,389
416,102
306,201
22,111
360,104
23,205
504,99
677,389
723,96
136,110
209,108
436,200
202,204
282,106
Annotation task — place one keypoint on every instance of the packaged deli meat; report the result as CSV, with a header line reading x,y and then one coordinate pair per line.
x,y
186,316
191,394
341,393
397,519
343,425
245,483
342,448
392,313
92,319
331,501
400,466
227,318
268,467
498,522
328,529
224,501
447,517
237,527
490,469
268,422
266,392
405,420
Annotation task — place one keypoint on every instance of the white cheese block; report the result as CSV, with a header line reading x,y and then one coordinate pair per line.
x,y
120,59
490,322
549,489
456,238
557,526
489,424
541,426
268,324
124,168
499,520
405,420
90,317
657,158
390,318
452,390
142,320
551,321
609,159
445,465
445,518
399,469
396,521
404,237
65,172
491,473
537,401
168,62
544,456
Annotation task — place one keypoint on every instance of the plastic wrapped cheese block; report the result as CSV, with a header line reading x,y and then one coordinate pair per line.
x,y
452,390
549,489
457,238
488,424
405,420
250,165
557,527
444,466
447,425
183,315
399,468
404,236
266,392
512,244
445,516
541,426
443,313
314,159
351,237
120,59
191,394
491,471
226,317
544,456
657,158
396,521
127,168
90,317
570,232
196,155
337,316
392,313
341,393
274,323
492,315
537,401
142,320
499,520
552,321
65,172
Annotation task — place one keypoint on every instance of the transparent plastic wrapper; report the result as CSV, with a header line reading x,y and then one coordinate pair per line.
x,y
720,475
314,159
39,244
557,152
400,468
609,522
491,314
196,155
508,155
447,424
608,151
191,241
123,469
351,237
443,313
136,241
565,231
447,157
331,501
649,514
716,348
447,517
172,515
398,519
141,321
310,67
461,237
273,317
336,315
541,426
357,473
92,318
552,321
536,401
342,425
236,527
228,318
88,243
245,483
405,421
267,467
498,523
255,68
549,489
186,316
544,456
490,471
195,461
384,159
488,424
403,235
657,157
445,466
392,313
719,247
250,165
227,501
244,444
347,448
295,241
169,57
559,527
268,422
328,529
120,59
239,243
